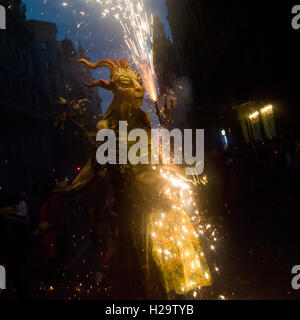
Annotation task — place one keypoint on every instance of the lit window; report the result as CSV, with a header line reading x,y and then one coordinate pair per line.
x,y
267,109
256,126
254,115
268,121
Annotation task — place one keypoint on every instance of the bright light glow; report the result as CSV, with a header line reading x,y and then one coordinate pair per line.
x,y
176,243
254,115
223,133
226,141
267,108
137,26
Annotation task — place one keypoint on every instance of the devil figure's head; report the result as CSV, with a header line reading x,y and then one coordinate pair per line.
x,y
125,83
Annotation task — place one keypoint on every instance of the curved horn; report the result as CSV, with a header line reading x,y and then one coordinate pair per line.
x,y
112,65
123,63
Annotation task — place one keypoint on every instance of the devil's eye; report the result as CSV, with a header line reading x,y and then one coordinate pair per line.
x,y
125,84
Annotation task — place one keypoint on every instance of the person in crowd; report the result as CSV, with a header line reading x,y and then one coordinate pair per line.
x,y
52,233
22,208
14,247
109,231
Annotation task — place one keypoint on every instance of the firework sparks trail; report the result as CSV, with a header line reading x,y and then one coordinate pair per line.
x,y
138,36
177,187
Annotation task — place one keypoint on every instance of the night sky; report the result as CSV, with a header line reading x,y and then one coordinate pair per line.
x,y
102,38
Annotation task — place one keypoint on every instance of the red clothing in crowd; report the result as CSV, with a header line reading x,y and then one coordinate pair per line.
x,y
52,212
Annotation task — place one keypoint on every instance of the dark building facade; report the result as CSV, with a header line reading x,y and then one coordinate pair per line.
x,y
234,53
56,69
35,70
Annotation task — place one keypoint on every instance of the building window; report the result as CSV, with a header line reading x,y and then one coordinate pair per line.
x,y
44,45
256,130
268,121
256,127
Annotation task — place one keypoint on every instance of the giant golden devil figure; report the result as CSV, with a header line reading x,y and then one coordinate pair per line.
x,y
158,246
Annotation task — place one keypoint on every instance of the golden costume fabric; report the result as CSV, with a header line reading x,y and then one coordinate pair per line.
x,y
177,251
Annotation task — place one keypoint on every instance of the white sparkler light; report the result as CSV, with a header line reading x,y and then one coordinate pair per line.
x,y
138,36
